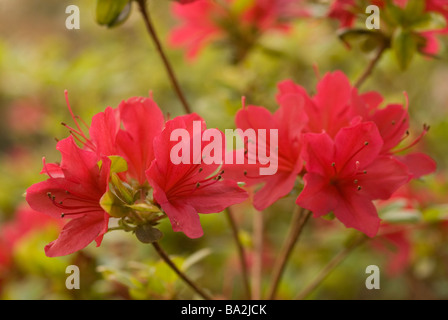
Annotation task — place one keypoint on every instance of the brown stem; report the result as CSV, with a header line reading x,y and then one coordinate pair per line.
x,y
371,65
299,219
152,32
325,272
258,255
182,275
240,248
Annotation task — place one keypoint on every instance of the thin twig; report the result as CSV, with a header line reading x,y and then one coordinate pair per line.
x,y
257,264
182,275
299,219
371,65
325,272
152,32
241,253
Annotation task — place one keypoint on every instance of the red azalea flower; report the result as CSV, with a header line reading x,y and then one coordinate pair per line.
x,y
183,190
143,121
394,241
345,12
329,109
288,121
73,190
393,124
24,222
348,173
127,131
205,21
186,1
337,105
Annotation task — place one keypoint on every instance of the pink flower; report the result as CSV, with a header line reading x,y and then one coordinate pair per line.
x,y
183,190
345,11
205,21
329,109
393,124
24,222
346,174
127,131
73,190
142,120
289,121
394,242
337,104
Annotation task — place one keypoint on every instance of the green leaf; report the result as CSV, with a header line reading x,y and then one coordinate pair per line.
x,y
148,234
414,10
121,189
402,216
118,164
404,45
240,6
144,207
112,205
112,13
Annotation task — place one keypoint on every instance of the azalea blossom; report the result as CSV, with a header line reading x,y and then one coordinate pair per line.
x,y
184,190
127,131
345,11
289,121
73,191
337,104
24,222
345,174
206,21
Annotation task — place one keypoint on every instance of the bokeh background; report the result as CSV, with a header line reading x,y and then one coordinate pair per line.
x,y
40,58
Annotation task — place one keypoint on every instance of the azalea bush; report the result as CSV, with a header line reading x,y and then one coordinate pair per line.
x,y
228,149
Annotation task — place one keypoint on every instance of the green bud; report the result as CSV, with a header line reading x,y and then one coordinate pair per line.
x,y
112,13
404,45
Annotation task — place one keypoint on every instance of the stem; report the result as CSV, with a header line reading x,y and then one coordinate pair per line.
x,y
371,65
152,32
299,219
241,253
258,252
182,275
325,272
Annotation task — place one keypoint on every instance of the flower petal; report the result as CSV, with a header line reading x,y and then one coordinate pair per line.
x,y
76,235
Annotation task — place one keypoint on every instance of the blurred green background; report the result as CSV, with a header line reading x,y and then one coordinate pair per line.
x,y
40,58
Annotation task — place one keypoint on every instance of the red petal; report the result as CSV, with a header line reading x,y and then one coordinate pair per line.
x,y
358,212
76,235
356,147
419,164
143,121
318,195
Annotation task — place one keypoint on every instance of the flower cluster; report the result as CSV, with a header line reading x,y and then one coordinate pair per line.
x,y
122,169
345,146
408,25
347,150
238,23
